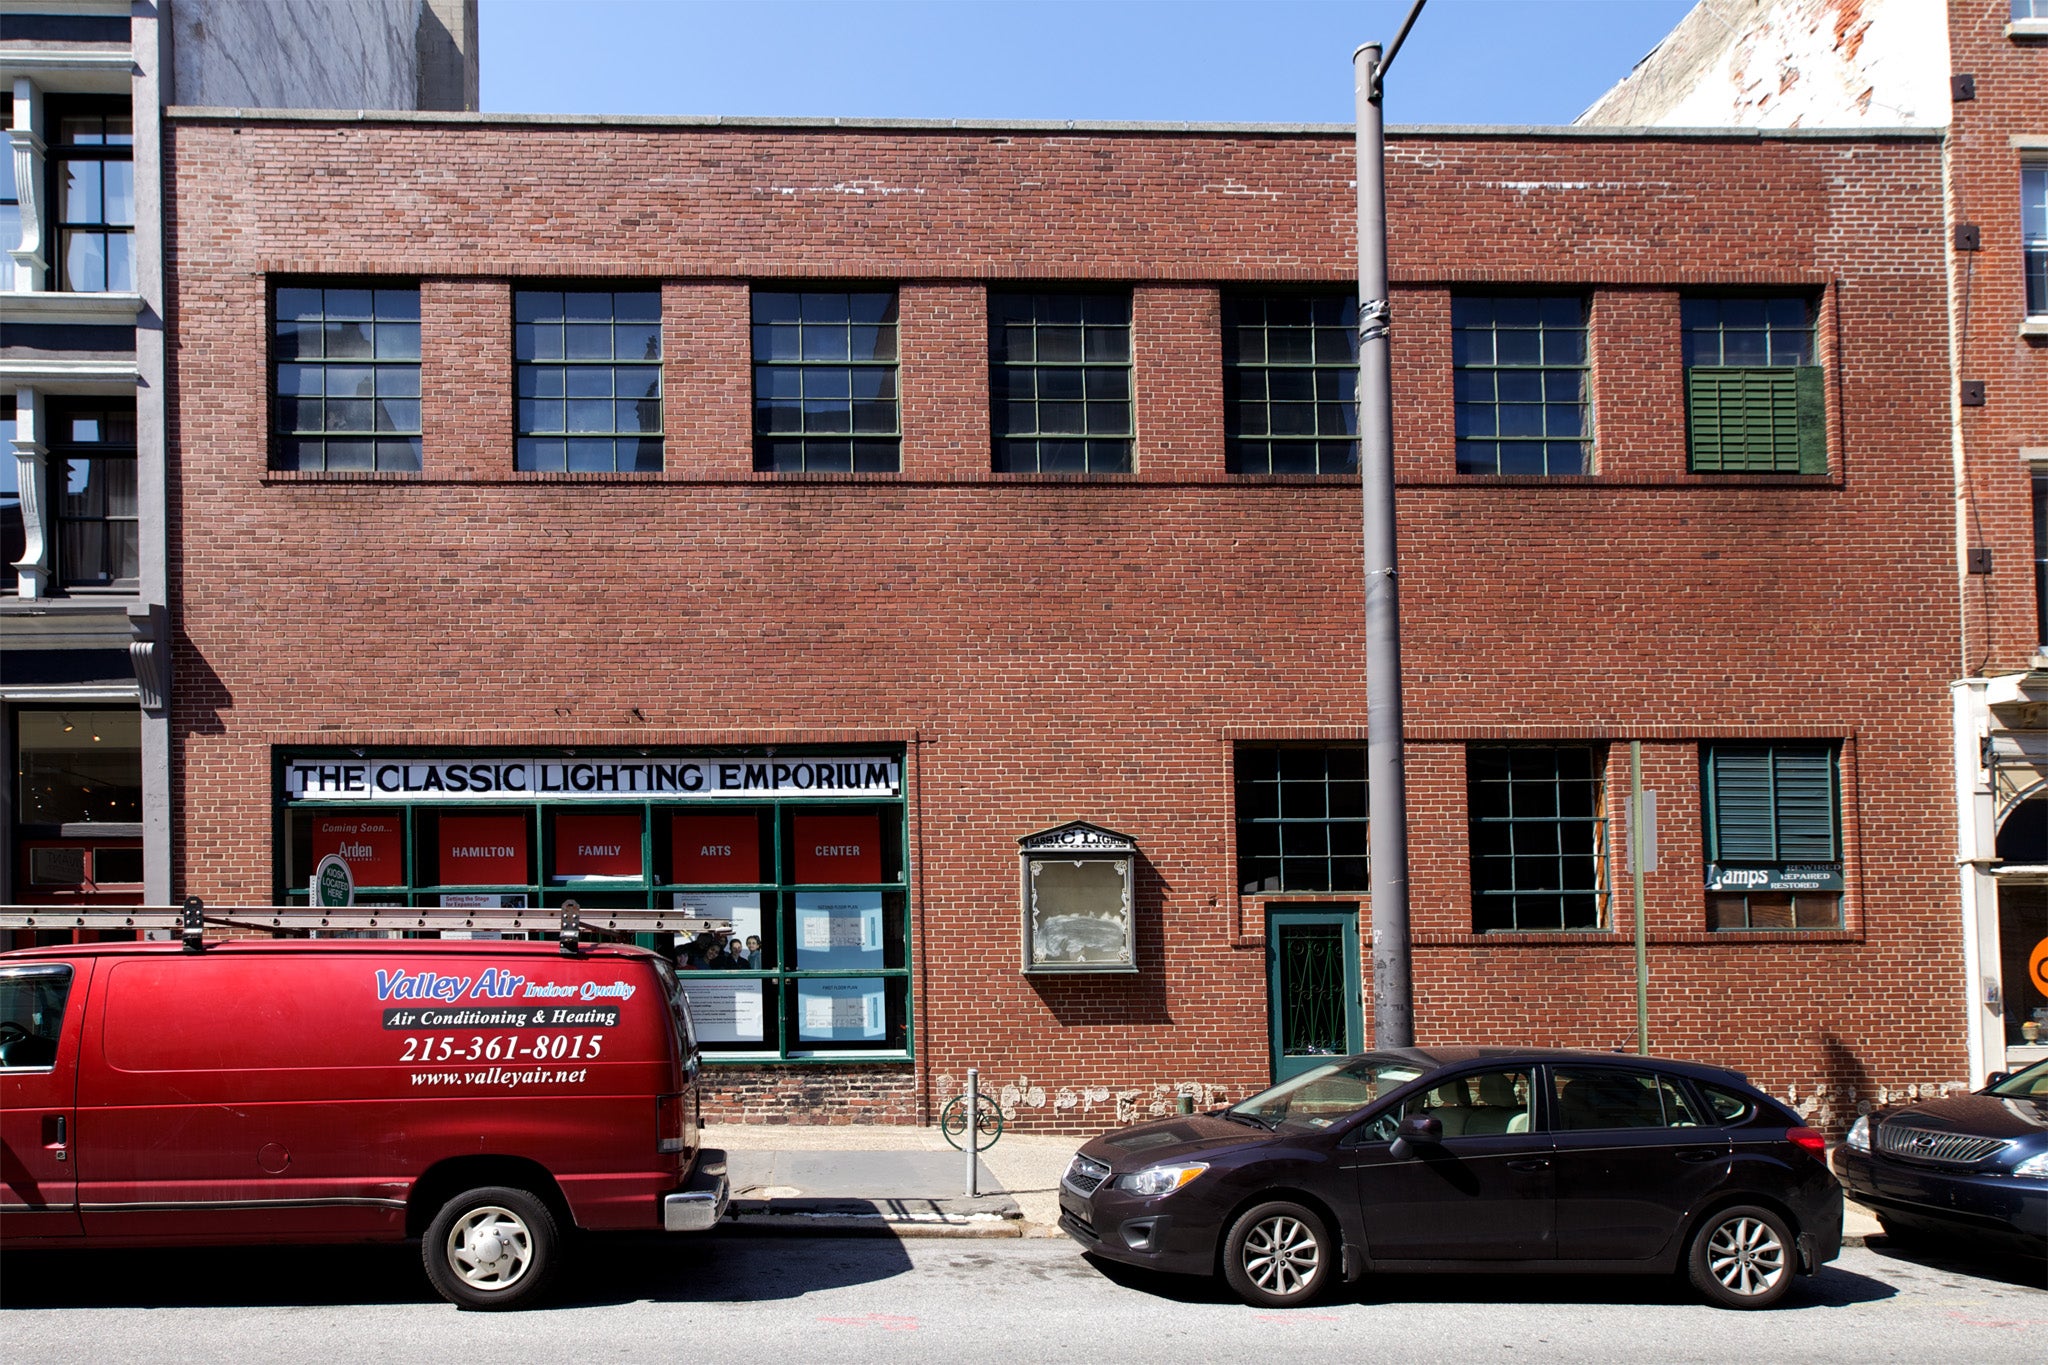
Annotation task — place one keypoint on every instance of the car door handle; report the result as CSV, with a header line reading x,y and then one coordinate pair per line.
x,y
1541,1163
1700,1154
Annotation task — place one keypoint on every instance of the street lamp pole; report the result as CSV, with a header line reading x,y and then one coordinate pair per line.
x,y
1393,1003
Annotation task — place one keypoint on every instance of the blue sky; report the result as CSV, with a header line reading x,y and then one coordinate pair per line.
x,y
1287,61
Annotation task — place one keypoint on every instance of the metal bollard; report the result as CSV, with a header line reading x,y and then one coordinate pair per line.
x,y
973,1117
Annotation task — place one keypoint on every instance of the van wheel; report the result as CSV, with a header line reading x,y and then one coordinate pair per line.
x,y
1278,1255
1742,1258
492,1247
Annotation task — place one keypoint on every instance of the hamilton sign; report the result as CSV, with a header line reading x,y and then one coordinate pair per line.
x,y
470,779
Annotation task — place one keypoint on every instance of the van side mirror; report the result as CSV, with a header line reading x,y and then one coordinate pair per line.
x,y
1997,1078
1416,1128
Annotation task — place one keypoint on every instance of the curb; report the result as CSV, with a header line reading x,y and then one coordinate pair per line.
x,y
852,1224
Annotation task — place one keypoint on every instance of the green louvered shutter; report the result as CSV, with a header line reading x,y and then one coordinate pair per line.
x,y
1764,420
1742,829
1805,801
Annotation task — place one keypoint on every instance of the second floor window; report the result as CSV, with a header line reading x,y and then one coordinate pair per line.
x,y
1301,818
1753,395
1774,851
1520,380
1290,383
92,454
589,378
1060,382
347,378
825,382
93,178
2034,234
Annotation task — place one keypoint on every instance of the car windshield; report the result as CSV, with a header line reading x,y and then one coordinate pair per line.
x,y
2031,1084
1320,1097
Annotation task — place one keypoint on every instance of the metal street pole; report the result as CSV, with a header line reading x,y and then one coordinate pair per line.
x,y
1393,1004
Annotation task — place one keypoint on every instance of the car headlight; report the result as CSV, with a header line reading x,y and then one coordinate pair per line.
x,y
1859,1134
1160,1179
2036,1166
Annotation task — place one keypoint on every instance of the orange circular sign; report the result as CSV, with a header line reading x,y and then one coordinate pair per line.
x,y
2037,966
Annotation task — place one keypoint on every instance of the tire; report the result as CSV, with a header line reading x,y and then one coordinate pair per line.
x,y
1742,1257
988,1122
491,1248
1279,1255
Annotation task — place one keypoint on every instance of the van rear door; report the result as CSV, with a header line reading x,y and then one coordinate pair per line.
x,y
42,1003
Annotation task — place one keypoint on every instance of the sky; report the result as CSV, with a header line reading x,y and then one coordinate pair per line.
x,y
1202,61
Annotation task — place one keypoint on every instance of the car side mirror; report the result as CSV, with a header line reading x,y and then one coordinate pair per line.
x,y
1997,1078
1416,1128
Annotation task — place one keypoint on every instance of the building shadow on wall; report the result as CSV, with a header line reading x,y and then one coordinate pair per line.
x,y
1848,1081
198,696
1119,998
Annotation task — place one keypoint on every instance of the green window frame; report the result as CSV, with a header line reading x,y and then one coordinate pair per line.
x,y
1301,818
587,370
1755,400
825,381
1060,382
784,980
345,376
1538,825
1768,807
1520,379
1290,383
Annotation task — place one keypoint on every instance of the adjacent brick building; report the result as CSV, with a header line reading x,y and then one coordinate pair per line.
x,y
1670,471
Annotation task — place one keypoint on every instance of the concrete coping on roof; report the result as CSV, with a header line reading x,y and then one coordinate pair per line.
x,y
201,114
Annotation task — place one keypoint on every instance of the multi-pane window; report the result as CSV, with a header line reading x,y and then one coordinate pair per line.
x,y
13,531
2040,482
588,368
825,381
1539,836
93,181
347,377
10,210
1754,398
1290,383
1520,375
92,453
1060,382
2034,234
1301,818
1774,856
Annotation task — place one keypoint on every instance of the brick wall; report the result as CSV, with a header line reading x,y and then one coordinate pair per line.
x,y
1053,647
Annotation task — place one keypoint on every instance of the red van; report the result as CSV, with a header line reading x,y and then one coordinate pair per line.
x,y
483,1097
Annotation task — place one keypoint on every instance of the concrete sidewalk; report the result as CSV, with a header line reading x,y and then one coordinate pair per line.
x,y
817,1178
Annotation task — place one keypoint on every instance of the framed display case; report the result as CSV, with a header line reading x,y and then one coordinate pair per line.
x,y
1077,900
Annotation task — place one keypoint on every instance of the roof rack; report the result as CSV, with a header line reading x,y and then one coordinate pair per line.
x,y
189,921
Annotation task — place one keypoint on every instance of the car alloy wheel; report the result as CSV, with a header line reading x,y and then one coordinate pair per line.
x,y
1742,1258
1277,1255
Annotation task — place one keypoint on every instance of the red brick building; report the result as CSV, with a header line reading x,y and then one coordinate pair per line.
x,y
792,520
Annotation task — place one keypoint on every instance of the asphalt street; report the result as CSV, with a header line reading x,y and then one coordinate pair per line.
x,y
737,1297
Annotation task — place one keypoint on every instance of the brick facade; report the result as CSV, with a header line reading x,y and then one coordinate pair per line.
x,y
1053,647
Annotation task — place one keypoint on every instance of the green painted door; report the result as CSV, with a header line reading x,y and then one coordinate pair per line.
x,y
1312,986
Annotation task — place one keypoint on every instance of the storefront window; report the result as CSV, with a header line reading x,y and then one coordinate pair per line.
x,y
78,767
802,855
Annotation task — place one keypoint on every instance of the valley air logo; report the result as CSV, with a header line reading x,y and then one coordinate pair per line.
x,y
334,886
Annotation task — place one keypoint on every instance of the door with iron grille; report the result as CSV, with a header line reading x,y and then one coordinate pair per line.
x,y
1313,986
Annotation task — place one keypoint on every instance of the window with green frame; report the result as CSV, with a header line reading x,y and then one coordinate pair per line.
x,y
1290,383
1539,836
818,966
1301,818
1519,374
1060,382
1754,397
1774,848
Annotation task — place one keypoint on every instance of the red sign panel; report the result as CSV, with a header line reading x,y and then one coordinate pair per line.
x,y
839,848
484,850
597,846
716,848
373,845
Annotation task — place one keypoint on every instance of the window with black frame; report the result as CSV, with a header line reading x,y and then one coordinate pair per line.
x,y
10,207
1290,383
1060,382
1754,397
1301,818
92,460
92,180
13,529
1539,836
825,374
1520,384
345,375
1774,853
2034,234
588,373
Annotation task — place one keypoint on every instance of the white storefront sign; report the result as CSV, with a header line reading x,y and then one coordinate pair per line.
x,y
471,779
